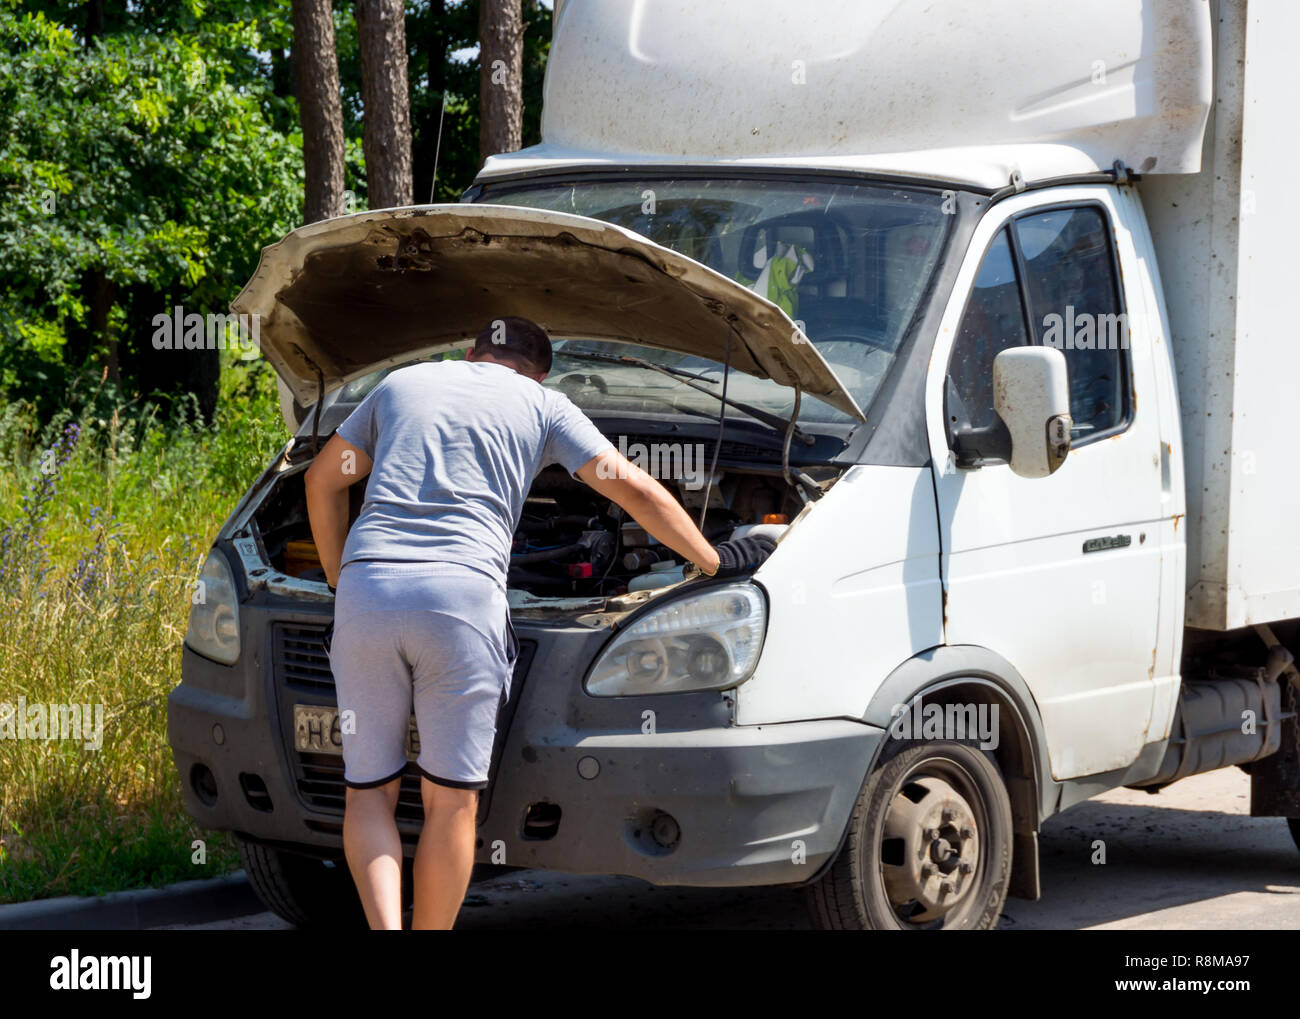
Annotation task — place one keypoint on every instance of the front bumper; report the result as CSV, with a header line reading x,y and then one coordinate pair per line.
x,y
662,788
722,806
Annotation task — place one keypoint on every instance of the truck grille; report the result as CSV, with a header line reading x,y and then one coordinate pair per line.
x,y
320,783
300,658
302,667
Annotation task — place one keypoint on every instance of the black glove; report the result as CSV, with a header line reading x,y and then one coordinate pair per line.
x,y
743,555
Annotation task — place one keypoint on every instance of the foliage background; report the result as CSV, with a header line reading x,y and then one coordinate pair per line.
x,y
148,150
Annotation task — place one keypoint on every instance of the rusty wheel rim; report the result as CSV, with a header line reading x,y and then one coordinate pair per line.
x,y
930,849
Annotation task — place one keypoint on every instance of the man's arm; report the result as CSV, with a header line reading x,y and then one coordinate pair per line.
x,y
336,468
618,479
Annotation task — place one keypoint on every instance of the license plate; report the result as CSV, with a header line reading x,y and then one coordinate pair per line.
x,y
316,730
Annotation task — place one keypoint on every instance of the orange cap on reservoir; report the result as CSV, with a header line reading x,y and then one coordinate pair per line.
x,y
775,518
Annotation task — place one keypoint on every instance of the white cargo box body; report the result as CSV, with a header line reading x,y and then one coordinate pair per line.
x,y
967,93
1226,243
955,91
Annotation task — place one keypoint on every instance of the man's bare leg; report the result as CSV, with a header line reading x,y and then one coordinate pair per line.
x,y
374,852
444,856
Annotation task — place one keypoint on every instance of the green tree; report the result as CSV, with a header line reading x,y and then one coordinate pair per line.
x,y
138,171
150,148
437,30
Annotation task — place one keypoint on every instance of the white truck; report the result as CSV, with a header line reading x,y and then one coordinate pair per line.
x,y
980,307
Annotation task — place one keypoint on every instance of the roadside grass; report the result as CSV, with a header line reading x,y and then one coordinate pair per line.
x,y
106,513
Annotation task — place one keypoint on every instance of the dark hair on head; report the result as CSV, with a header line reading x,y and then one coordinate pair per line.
x,y
519,340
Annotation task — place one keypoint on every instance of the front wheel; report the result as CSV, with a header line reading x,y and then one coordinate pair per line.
x,y
928,846
302,890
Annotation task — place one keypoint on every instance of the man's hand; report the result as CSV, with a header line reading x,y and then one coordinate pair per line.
x,y
336,468
743,555
623,482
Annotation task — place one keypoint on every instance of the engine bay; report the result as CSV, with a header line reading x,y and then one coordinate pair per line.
x,y
570,541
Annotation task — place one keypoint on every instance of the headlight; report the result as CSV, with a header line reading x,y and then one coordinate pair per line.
x,y
707,641
214,613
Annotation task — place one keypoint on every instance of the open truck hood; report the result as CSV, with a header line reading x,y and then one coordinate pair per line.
x,y
340,298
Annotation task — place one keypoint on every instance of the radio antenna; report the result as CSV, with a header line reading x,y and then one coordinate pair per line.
x,y
437,149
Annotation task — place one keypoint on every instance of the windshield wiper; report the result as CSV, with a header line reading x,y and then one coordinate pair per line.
x,y
692,411
774,420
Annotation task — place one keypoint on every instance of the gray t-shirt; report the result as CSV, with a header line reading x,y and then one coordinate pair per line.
x,y
456,445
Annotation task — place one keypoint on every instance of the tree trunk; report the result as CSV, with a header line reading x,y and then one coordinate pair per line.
x,y
164,374
103,292
435,53
281,83
320,108
386,139
501,76
94,21
435,63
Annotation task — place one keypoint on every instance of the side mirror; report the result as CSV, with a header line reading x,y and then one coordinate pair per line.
x,y
1031,394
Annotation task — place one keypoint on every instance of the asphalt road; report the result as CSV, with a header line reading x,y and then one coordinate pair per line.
x,y
1188,858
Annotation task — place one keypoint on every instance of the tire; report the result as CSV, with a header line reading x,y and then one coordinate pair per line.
x,y
928,846
303,890
1294,824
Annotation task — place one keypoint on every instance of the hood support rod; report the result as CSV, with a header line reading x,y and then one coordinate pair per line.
x,y
722,425
806,487
315,414
796,479
320,398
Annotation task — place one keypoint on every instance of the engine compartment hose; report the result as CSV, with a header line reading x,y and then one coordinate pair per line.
x,y
546,555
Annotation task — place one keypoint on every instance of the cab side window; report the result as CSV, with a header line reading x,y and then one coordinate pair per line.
x,y
1047,278
1069,271
994,320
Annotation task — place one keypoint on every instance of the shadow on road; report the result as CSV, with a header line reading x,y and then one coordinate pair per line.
x,y
1157,857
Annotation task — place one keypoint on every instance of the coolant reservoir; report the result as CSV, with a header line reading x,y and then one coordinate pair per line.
x,y
660,575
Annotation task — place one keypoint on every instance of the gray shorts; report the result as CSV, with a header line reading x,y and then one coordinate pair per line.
x,y
435,637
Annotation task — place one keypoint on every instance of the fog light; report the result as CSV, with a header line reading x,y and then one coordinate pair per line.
x,y
204,784
541,821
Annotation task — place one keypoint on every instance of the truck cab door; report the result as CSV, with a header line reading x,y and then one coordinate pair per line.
x,y
1059,575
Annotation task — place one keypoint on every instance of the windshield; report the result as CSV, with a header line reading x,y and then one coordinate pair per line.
x,y
849,263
